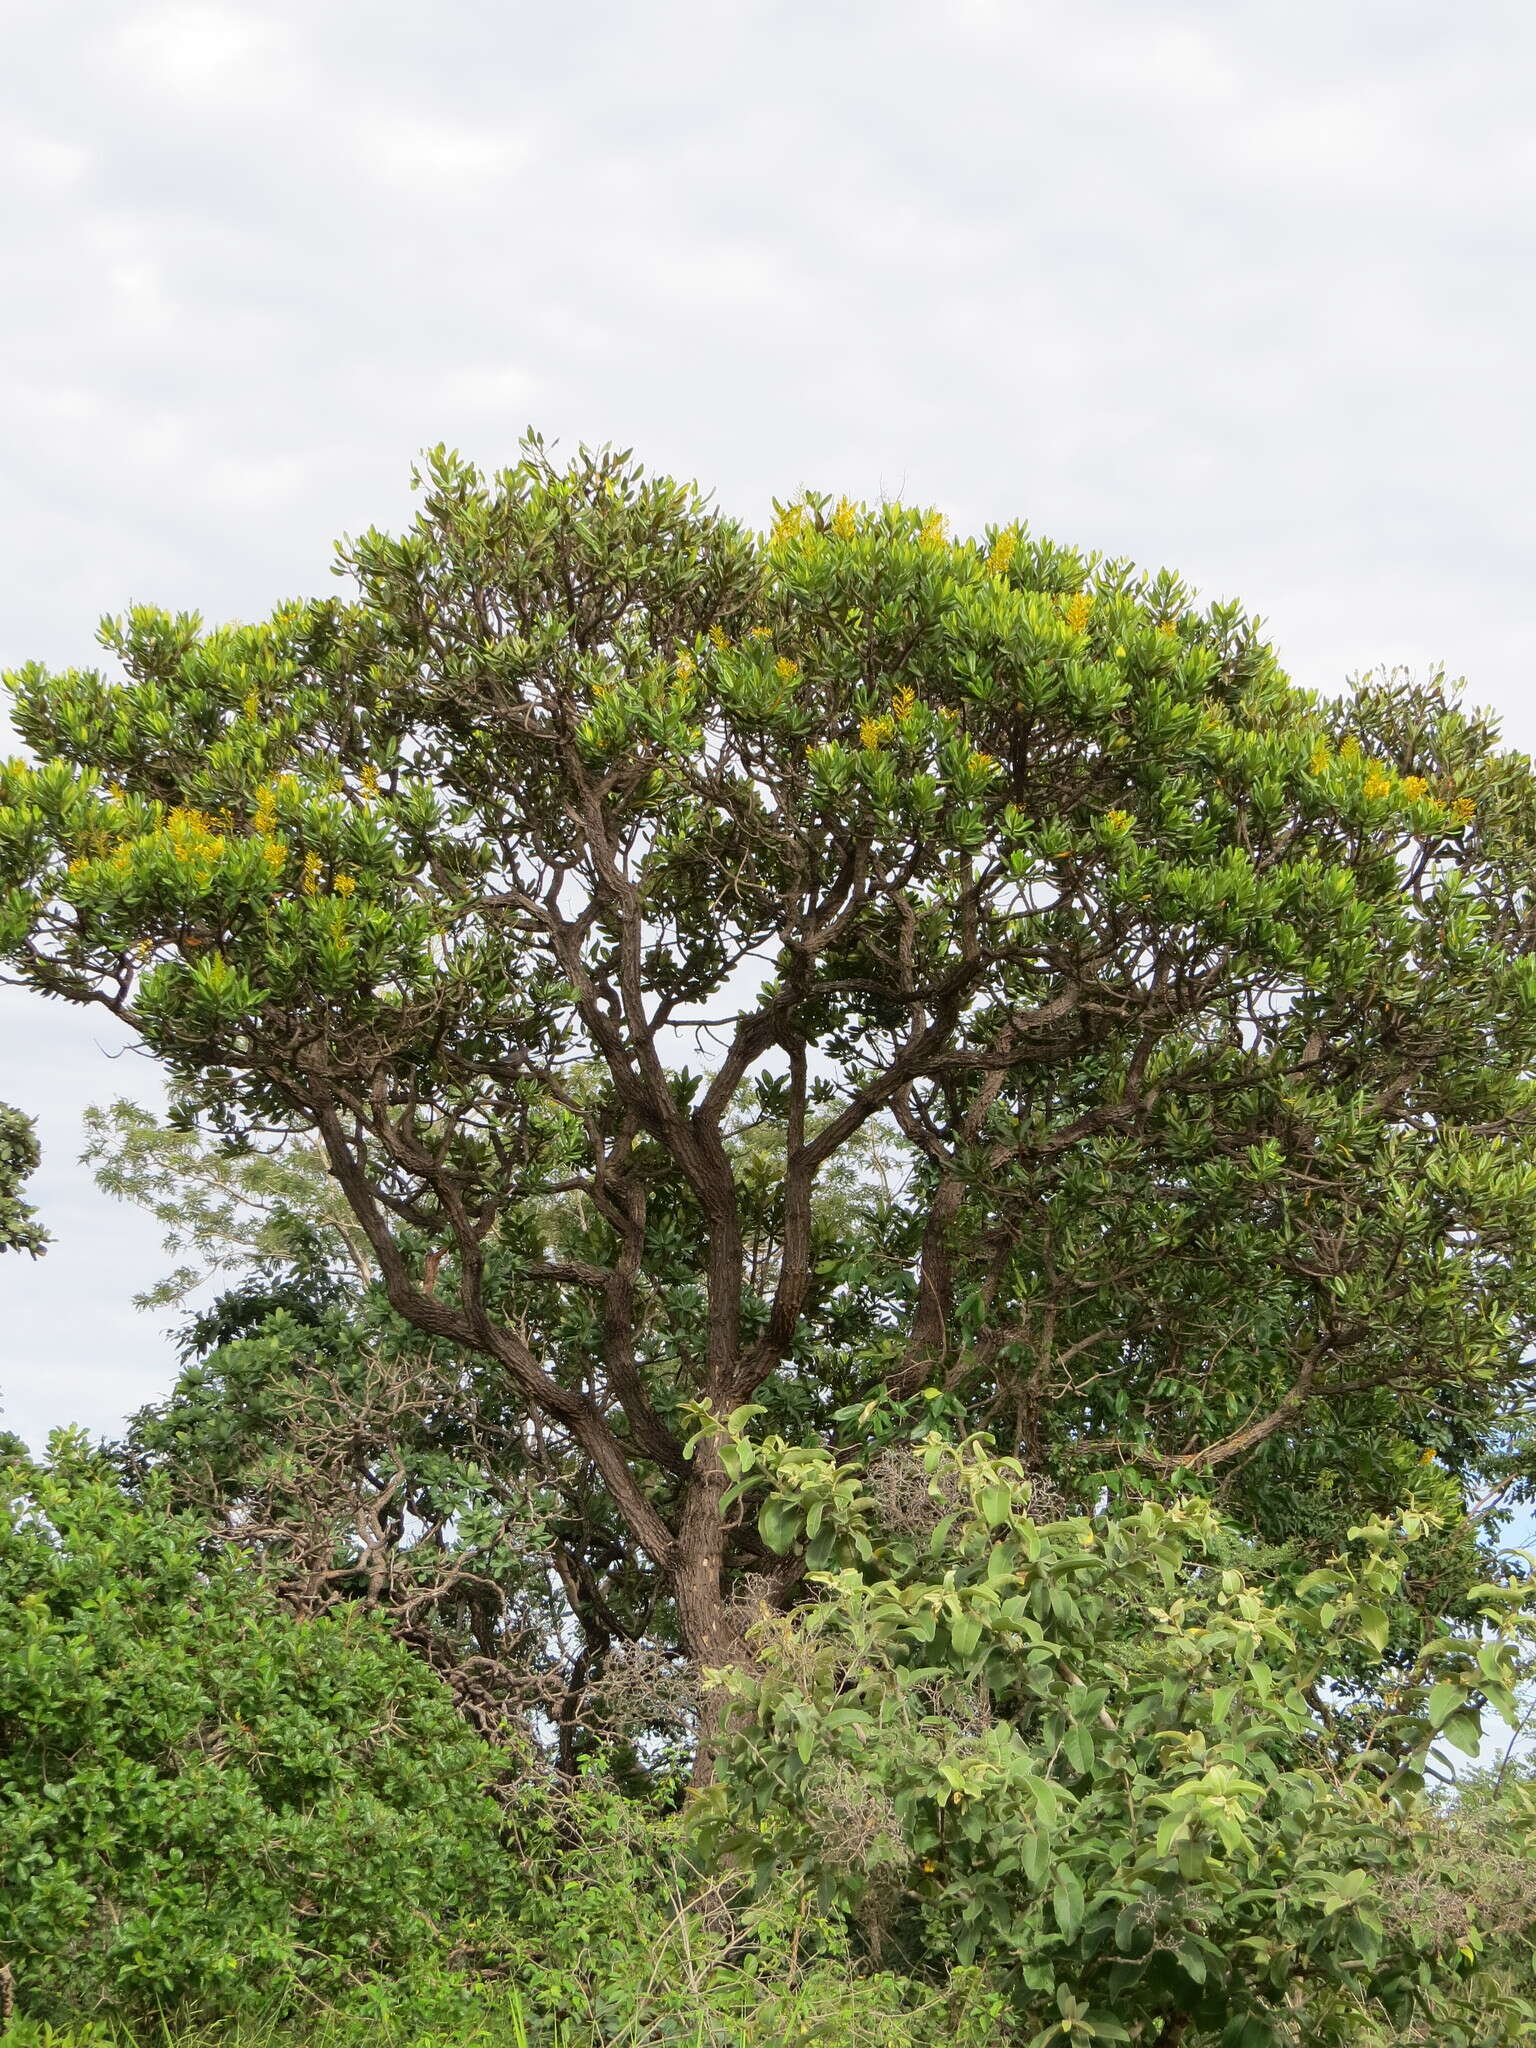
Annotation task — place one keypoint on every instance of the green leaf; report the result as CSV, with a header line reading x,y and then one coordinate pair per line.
x,y
965,1634
779,1523
1464,1731
1067,1900
1375,1627
1444,1700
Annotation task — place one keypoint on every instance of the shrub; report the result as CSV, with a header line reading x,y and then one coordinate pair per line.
x,y
1103,1757
201,1797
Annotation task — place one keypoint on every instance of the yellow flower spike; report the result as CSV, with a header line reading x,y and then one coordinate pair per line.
x,y
1168,629
720,637
1413,787
368,779
1349,748
903,703
1376,785
344,885
1464,810
845,521
932,533
1004,548
786,668
1319,760
251,708
1118,821
788,524
761,633
1078,608
874,732
309,880
684,667
275,854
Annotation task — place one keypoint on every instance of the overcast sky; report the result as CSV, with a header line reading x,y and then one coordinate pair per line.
x,y
1245,289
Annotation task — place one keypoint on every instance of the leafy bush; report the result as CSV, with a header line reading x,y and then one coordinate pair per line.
x,y
1103,1756
201,1797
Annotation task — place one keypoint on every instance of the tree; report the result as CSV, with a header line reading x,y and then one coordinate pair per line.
x,y
617,897
19,1228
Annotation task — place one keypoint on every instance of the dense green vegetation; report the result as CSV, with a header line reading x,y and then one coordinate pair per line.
x,y
866,1208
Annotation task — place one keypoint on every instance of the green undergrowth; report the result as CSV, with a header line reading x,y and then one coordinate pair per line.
x,y
626,1999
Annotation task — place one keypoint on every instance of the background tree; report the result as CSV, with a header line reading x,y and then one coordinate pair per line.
x,y
19,1228
598,876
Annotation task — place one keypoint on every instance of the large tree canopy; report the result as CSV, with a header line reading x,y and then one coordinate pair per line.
x,y
829,966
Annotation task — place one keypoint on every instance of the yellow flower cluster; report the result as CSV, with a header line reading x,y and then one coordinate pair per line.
x,y
1168,629
1413,787
1118,821
309,880
788,524
684,667
1464,810
932,532
1076,613
275,854
903,703
264,817
720,637
252,705
786,668
368,776
344,885
1376,785
845,521
192,835
761,633
1004,548
874,732
1319,760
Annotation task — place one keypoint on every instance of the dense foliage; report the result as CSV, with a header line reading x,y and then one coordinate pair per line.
x,y
1100,1753
210,1808
877,1164
202,1796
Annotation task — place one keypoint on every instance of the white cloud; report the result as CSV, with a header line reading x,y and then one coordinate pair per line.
x,y
437,156
1173,67
257,482
189,50
1322,140
44,162
489,387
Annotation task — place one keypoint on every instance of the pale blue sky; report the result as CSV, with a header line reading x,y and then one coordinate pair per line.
x,y
1246,289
